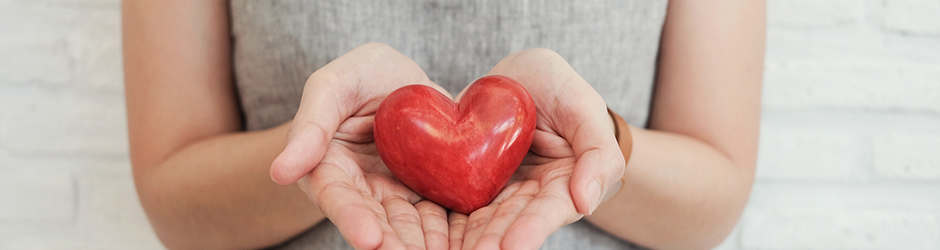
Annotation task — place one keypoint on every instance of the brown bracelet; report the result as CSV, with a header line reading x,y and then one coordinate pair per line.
x,y
618,123
619,185
613,118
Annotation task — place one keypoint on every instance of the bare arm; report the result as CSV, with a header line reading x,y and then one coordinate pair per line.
x,y
203,183
691,172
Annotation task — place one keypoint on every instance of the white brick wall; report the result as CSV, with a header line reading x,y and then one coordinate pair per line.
x,y
65,180
847,216
849,158
902,157
915,17
850,137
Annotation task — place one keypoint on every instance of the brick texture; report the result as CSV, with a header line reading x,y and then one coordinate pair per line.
x,y
811,154
849,136
62,122
853,85
908,156
841,216
823,14
849,153
913,17
30,195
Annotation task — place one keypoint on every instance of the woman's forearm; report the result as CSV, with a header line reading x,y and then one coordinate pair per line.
x,y
202,181
689,177
678,193
217,193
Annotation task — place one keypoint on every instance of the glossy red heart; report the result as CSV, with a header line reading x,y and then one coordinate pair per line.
x,y
459,155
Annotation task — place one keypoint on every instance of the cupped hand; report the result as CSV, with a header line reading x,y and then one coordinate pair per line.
x,y
331,153
574,160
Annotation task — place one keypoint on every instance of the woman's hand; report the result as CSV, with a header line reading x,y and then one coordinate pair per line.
x,y
331,153
574,160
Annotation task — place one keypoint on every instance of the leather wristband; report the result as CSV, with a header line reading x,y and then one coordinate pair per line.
x,y
622,133
613,118
626,146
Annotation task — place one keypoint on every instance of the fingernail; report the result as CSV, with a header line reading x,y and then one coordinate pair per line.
x,y
612,191
594,189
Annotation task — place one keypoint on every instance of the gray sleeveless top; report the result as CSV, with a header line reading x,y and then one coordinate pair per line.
x,y
611,44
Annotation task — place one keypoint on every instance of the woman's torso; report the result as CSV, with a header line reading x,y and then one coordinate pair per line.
x,y
611,44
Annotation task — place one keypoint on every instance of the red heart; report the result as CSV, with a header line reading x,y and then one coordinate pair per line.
x,y
459,155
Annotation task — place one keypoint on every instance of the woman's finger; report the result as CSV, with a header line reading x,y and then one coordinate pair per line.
x,y
546,213
576,112
476,223
354,82
457,224
505,215
345,205
600,163
405,221
323,106
434,224
596,171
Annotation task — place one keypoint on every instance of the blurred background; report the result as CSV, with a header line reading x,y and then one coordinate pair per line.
x,y
849,153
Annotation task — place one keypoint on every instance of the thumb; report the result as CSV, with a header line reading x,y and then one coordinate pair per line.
x,y
600,163
322,108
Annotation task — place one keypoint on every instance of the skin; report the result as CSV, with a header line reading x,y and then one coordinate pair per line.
x,y
690,173
202,181
206,184
573,147
331,153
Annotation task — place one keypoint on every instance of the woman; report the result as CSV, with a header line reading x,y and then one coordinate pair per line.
x,y
216,109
